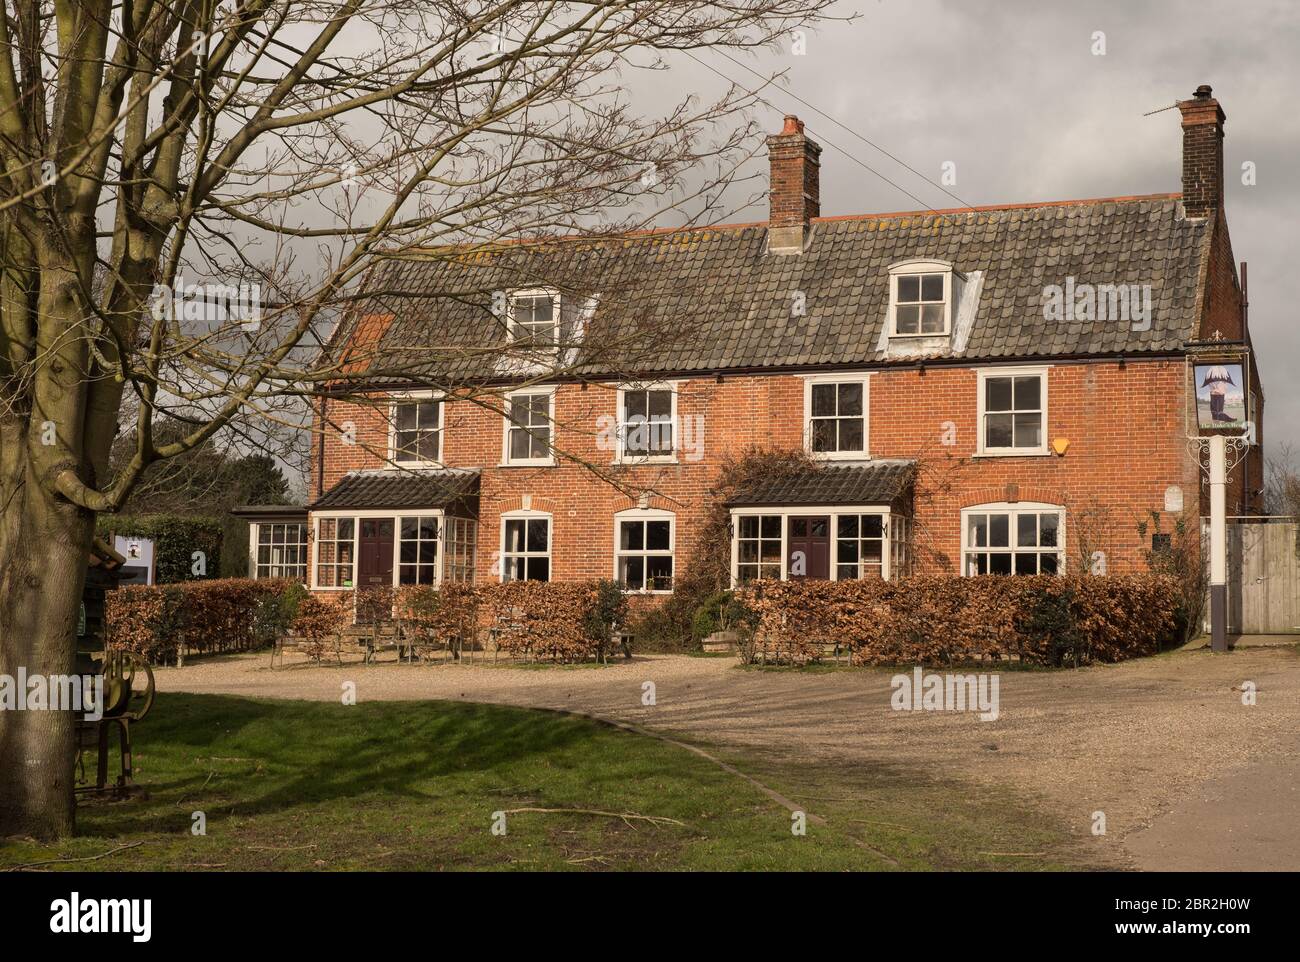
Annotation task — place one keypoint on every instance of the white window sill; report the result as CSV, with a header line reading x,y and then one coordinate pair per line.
x,y
633,461
528,464
417,464
642,591
1014,453
839,455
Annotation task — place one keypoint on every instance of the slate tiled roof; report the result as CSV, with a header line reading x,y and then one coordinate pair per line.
x,y
877,482
451,490
713,298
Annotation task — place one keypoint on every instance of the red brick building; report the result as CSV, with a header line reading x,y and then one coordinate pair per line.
x,y
1000,389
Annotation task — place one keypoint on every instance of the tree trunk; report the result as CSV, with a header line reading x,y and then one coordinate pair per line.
x,y
44,550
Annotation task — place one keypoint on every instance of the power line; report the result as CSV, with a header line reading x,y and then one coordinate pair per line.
x,y
870,143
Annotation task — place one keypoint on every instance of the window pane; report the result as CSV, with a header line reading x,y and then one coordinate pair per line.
x,y
873,526
846,572
659,572
410,527
1027,530
633,572
1028,393
660,404
1026,564
848,527
999,531
749,526
932,319
748,552
798,527
746,573
634,404
1000,564
632,535
998,431
347,528
850,434
520,444
850,396
771,526
932,287
978,536
907,320
770,552
823,435
409,552
656,538
823,400
997,394
846,551
1047,563
1047,524
263,534
406,415
538,530
1028,430
514,535
909,288
539,569
428,552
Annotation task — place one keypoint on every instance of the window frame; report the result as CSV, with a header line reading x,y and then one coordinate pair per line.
x,y
810,381
254,546
622,455
890,556
507,423
530,293
1012,509
356,516
416,397
549,554
912,268
982,375
643,515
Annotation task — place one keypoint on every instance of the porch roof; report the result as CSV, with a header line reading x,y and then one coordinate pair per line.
x,y
453,491
874,482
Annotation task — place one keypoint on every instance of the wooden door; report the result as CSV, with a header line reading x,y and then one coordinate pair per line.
x,y
375,553
808,548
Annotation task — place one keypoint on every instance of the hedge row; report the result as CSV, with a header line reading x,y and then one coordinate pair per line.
x,y
563,621
937,620
164,623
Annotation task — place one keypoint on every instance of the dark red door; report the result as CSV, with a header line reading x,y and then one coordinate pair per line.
x,y
375,552
808,548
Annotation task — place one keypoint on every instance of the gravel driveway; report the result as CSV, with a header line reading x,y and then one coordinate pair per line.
x,y
1142,741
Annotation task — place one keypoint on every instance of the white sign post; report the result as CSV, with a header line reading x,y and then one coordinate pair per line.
x,y
1218,543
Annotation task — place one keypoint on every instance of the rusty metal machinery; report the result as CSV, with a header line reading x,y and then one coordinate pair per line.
x,y
128,683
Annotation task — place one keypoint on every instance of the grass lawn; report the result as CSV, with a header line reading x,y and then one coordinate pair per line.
x,y
289,785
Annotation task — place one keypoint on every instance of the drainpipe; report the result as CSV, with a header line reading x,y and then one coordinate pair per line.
x,y
1218,543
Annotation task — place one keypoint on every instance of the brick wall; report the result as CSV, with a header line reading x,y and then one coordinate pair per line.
x,y
1124,424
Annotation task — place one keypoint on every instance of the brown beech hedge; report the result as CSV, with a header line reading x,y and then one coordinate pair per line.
x,y
562,621
938,620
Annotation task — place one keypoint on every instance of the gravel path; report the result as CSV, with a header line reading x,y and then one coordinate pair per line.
x,y
1134,741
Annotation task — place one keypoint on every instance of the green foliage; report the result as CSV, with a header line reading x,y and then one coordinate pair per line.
x,y
608,611
175,539
273,614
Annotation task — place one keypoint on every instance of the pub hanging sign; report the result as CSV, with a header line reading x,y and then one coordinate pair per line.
x,y
1223,401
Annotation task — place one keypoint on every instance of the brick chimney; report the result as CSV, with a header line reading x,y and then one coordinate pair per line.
x,y
795,189
1202,153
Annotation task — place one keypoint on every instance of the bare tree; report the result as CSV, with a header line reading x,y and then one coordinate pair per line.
x,y
159,156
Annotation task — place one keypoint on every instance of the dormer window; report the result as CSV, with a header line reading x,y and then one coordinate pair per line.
x,y
920,299
535,319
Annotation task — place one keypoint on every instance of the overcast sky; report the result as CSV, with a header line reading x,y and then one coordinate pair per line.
x,y
1012,93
